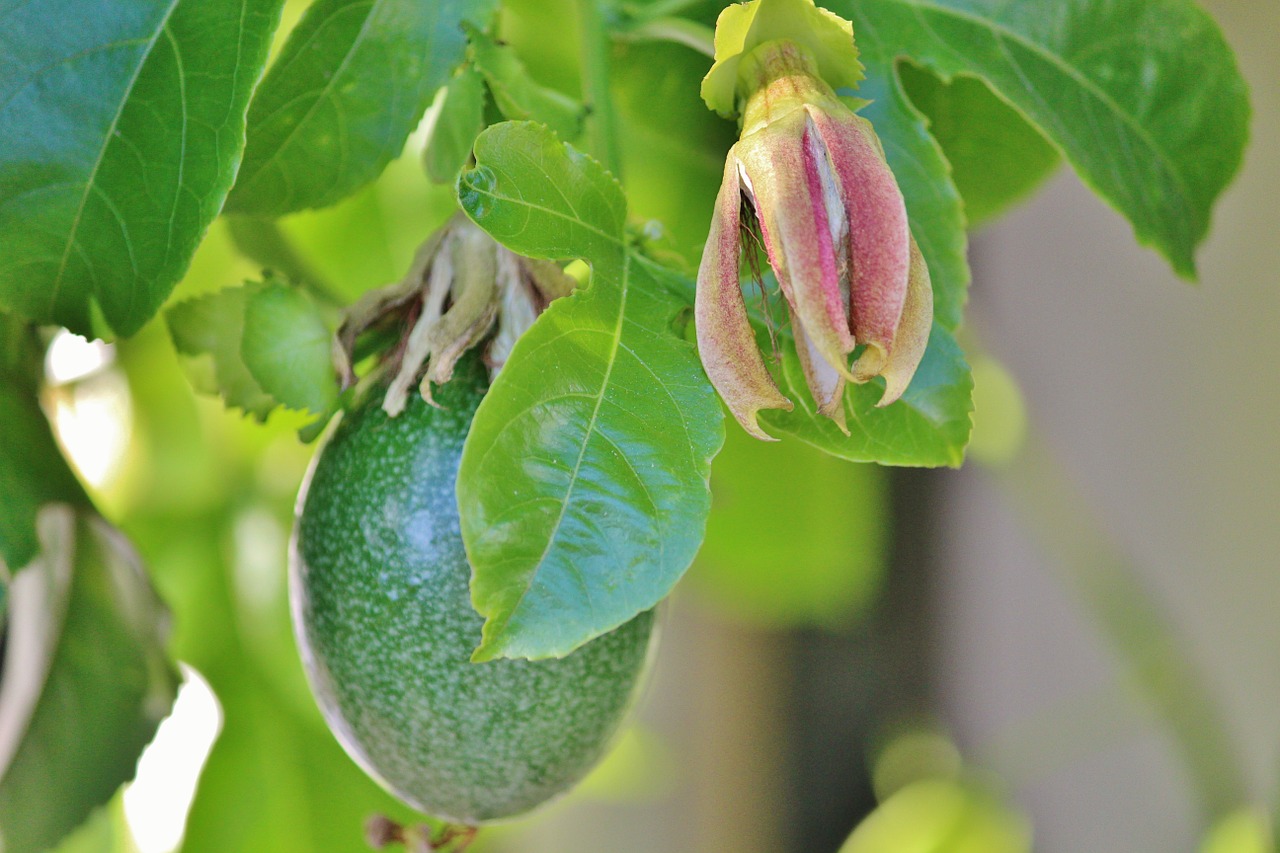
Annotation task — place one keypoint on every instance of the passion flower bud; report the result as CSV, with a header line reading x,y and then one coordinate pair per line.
x,y
462,285
834,227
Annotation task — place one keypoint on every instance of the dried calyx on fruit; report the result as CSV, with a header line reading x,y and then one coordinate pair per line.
x,y
462,286
812,175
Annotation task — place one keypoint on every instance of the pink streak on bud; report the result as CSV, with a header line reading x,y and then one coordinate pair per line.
x,y
797,234
913,331
726,342
879,237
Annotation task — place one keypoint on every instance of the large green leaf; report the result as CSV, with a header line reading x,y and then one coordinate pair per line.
x,y
1142,96
928,426
86,681
583,484
350,83
997,157
121,128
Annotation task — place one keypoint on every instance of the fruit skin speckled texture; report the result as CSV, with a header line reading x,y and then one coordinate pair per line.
x,y
379,586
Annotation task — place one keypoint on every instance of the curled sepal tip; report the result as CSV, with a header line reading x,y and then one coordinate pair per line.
x,y
913,330
726,342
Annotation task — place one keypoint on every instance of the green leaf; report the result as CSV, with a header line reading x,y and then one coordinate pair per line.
x,y
86,679
928,426
794,538
516,94
997,157
286,347
456,126
32,473
583,484
338,103
208,332
1142,96
121,128
942,815
934,206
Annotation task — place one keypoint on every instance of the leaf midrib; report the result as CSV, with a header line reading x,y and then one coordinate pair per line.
x,y
614,344
102,153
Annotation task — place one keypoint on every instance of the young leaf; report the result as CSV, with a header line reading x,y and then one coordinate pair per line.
x,y
208,332
457,124
337,105
928,426
516,94
286,347
121,128
1142,96
583,484
86,678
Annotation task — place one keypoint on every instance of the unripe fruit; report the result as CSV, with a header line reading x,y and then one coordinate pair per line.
x,y
382,611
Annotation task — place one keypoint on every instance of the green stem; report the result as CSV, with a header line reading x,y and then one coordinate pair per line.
x,y
602,125
262,241
659,9
1113,590
679,30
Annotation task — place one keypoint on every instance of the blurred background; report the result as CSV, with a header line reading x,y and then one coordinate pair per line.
x,y
1068,645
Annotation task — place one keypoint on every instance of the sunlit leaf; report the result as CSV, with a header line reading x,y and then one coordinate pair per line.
x,y
583,485
941,816
121,128
338,103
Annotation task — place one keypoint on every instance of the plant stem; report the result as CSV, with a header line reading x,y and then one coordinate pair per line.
x,y
659,9
679,30
1113,590
602,123
262,241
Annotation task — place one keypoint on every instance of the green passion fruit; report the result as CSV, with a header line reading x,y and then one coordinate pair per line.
x,y
379,584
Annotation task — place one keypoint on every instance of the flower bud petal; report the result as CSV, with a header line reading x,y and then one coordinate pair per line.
x,y
726,342
913,331
825,384
879,237
788,175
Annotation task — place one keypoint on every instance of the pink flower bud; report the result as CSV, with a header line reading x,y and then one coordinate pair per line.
x,y
835,229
